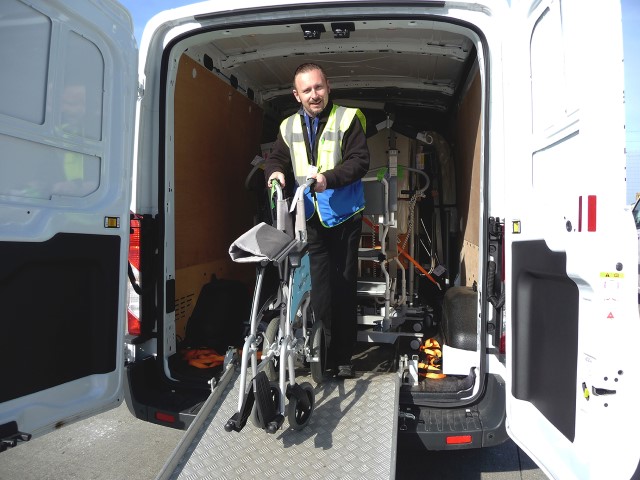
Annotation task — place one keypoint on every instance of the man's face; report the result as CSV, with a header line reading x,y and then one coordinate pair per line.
x,y
312,91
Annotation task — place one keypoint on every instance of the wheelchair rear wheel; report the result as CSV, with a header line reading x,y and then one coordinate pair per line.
x,y
318,351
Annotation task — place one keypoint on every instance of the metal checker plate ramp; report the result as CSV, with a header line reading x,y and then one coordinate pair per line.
x,y
351,435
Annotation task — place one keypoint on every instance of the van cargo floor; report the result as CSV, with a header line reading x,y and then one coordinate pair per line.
x,y
351,434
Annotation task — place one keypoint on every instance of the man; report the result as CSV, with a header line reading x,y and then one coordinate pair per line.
x,y
327,142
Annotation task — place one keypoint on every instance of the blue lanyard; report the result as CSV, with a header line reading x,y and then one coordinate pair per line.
x,y
311,131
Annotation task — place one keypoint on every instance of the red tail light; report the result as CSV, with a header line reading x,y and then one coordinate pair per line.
x,y
459,439
133,306
133,323
503,347
134,243
165,417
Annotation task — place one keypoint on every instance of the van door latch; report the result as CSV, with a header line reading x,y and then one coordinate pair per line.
x,y
602,391
404,416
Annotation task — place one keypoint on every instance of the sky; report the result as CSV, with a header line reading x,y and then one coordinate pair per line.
x,y
631,40
143,10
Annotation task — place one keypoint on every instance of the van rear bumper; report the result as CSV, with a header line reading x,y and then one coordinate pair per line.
x,y
151,399
481,424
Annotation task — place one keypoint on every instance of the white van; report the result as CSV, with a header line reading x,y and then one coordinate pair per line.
x,y
636,217
520,256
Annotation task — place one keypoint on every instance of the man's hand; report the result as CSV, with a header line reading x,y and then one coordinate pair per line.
x,y
321,182
278,176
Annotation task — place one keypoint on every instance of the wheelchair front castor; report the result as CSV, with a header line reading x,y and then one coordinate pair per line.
x,y
301,404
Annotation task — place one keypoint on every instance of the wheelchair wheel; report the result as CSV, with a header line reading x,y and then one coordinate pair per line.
x,y
318,350
301,403
255,414
270,336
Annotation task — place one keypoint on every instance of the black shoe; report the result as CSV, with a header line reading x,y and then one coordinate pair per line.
x,y
346,371
330,372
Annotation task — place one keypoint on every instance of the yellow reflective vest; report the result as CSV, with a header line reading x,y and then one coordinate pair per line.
x,y
334,206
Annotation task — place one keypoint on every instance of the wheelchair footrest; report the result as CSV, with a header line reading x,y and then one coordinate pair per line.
x,y
239,419
267,403
274,425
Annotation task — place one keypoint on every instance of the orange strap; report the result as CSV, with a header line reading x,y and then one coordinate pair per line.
x,y
202,357
370,223
418,266
405,254
431,354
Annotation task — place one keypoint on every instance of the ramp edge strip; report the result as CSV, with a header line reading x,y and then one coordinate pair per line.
x,y
172,462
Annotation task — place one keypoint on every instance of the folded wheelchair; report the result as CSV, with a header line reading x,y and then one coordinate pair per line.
x,y
292,337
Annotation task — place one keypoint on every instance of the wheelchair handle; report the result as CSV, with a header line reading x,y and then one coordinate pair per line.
x,y
275,186
300,192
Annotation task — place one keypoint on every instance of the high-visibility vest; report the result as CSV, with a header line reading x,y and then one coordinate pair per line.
x,y
334,206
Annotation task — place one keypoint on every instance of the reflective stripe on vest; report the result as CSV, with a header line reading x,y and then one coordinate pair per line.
x,y
345,201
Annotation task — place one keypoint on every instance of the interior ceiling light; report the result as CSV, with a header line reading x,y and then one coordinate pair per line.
x,y
312,31
342,30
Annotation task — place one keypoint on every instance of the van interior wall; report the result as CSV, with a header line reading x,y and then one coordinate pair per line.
x,y
467,159
217,134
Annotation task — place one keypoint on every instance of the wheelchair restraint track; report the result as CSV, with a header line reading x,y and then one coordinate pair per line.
x,y
351,435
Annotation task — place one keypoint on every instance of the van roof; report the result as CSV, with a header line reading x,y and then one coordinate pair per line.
x,y
384,63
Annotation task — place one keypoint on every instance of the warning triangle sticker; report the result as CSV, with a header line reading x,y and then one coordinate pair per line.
x,y
610,315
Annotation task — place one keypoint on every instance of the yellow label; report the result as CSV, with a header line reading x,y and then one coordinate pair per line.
x,y
612,275
111,222
516,226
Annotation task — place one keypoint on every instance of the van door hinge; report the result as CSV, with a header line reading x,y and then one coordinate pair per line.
x,y
496,229
10,436
140,91
495,287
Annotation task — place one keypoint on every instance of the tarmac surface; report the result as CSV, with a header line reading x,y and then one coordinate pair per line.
x,y
115,445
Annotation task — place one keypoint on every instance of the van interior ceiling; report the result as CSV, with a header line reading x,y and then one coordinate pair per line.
x,y
420,84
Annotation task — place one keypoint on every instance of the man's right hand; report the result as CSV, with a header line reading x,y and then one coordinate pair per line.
x,y
278,176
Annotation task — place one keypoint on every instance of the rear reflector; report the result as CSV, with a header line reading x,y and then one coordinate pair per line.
x,y
588,214
165,417
591,219
133,324
458,439
133,305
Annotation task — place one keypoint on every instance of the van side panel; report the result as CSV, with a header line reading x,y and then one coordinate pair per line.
x,y
468,158
58,297
212,161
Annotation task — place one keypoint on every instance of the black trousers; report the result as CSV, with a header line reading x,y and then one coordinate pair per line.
x,y
333,254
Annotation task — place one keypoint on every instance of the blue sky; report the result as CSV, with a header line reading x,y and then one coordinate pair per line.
x,y
143,10
631,39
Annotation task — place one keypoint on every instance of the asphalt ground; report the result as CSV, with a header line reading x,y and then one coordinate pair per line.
x,y
115,445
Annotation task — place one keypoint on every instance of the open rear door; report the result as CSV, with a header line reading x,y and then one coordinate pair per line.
x,y
571,248
67,103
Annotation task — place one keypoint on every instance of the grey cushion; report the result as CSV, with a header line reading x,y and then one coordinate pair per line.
x,y
262,242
